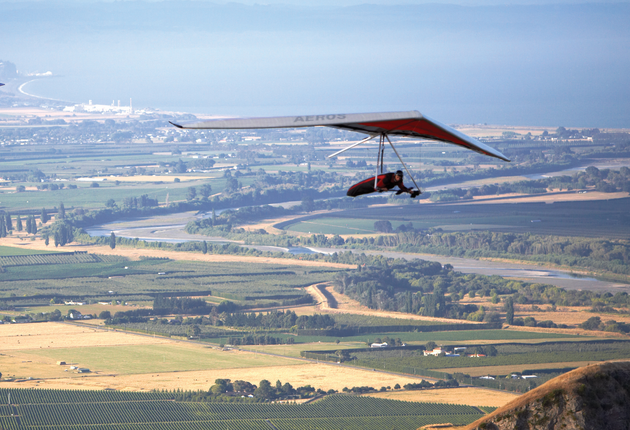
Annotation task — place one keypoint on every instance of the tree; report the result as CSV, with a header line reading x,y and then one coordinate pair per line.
x,y
509,311
62,233
430,346
28,224
204,247
221,386
46,240
191,193
264,390
194,330
180,167
111,204
7,221
18,224
205,191
105,315
44,216
112,240
231,185
61,213
383,226
214,217
33,225
307,203
20,189
593,323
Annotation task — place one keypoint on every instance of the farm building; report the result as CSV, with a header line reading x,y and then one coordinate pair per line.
x,y
435,352
379,345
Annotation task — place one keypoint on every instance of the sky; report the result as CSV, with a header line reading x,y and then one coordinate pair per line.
x,y
473,61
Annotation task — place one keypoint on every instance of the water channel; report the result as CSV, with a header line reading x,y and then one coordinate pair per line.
x,y
170,228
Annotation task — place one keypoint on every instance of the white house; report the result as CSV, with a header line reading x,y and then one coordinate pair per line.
x,y
435,352
379,345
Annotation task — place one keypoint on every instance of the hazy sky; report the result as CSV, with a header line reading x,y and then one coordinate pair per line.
x,y
539,63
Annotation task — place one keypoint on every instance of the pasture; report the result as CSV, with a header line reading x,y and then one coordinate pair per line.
x,y
169,356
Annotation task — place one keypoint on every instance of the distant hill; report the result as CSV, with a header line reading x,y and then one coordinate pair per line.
x,y
589,398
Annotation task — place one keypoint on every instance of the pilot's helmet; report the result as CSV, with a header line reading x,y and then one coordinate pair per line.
x,y
399,173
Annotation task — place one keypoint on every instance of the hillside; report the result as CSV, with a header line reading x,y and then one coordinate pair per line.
x,y
589,398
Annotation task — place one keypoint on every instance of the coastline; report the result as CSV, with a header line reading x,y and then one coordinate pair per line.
x,y
21,90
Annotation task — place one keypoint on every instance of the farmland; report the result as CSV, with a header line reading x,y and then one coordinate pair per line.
x,y
560,218
97,275
141,351
67,409
470,396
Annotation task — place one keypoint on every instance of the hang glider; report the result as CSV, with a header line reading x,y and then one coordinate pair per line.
x,y
410,124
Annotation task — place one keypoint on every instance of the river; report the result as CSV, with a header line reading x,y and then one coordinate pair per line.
x,y
170,228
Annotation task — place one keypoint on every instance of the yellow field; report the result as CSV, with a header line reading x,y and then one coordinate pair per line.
x,y
16,337
459,396
126,361
325,376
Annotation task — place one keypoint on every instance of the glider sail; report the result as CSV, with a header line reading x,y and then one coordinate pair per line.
x,y
409,124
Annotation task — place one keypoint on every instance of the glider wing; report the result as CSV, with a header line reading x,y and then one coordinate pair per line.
x,y
410,124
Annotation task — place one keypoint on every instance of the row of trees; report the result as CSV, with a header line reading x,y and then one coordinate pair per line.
x,y
184,305
259,339
279,319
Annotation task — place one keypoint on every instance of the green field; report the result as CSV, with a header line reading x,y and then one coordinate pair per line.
x,y
57,410
260,282
140,359
12,250
330,225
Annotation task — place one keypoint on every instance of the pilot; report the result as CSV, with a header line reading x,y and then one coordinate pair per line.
x,y
384,182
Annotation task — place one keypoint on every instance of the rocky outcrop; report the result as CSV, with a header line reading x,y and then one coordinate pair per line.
x,y
596,397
